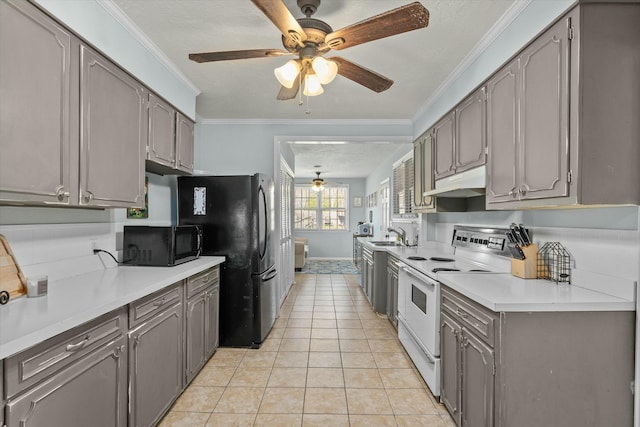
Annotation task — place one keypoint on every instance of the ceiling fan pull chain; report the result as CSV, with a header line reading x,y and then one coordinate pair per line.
x,y
308,107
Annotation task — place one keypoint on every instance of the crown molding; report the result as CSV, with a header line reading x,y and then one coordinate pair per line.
x,y
320,122
112,9
494,32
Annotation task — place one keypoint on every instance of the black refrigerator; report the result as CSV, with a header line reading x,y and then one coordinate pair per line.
x,y
236,214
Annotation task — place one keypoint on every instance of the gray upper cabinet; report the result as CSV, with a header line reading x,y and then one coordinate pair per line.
x,y
38,108
460,137
470,134
423,172
184,144
443,139
170,141
114,134
559,116
162,129
528,122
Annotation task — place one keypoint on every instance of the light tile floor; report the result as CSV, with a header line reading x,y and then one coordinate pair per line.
x,y
329,360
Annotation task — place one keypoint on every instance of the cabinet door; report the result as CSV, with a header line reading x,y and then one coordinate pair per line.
x,y
418,171
450,365
477,382
544,138
470,132
114,134
502,119
156,367
38,107
161,147
196,335
184,144
443,135
211,327
91,392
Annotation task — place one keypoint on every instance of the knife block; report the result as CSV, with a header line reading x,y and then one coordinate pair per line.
x,y
526,268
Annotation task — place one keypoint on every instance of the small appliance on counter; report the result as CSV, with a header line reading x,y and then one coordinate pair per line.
x,y
161,246
364,229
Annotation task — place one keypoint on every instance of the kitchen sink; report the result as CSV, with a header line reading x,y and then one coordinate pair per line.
x,y
385,243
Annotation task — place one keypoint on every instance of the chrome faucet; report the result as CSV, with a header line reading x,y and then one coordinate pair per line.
x,y
401,233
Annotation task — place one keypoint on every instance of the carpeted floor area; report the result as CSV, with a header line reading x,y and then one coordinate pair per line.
x,y
329,267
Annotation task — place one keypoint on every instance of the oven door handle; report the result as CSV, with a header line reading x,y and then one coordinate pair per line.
x,y
424,279
417,341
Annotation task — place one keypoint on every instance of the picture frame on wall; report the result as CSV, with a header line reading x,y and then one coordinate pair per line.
x,y
141,213
357,202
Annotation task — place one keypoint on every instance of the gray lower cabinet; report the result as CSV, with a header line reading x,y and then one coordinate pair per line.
x,y
531,369
76,379
50,148
202,311
155,356
392,289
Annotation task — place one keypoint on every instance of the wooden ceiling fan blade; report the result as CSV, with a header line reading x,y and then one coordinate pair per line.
x,y
236,54
278,13
367,78
290,93
396,21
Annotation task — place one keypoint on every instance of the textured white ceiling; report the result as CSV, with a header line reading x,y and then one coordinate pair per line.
x,y
418,62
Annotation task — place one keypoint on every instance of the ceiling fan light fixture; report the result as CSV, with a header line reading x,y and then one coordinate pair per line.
x,y
317,184
324,69
312,86
288,73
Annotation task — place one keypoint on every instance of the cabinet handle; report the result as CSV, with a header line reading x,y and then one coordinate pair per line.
x,y
61,195
75,347
159,302
461,313
522,191
88,197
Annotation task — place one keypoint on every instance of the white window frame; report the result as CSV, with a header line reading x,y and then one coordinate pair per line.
x,y
319,220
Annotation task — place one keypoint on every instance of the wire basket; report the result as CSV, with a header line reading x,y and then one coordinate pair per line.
x,y
554,263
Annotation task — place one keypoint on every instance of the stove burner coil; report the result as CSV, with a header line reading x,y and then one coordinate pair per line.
x,y
440,259
417,258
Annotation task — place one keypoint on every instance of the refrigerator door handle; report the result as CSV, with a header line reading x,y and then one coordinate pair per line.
x,y
270,275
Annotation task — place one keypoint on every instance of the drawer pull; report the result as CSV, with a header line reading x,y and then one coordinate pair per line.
x,y
75,347
159,302
461,313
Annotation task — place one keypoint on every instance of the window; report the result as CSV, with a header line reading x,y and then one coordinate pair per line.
x,y
325,210
403,186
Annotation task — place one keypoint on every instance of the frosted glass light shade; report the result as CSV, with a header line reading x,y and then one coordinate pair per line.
x,y
312,86
288,73
325,70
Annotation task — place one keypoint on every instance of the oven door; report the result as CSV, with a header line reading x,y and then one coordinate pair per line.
x,y
421,307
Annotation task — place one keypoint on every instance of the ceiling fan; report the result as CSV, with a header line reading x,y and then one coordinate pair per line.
x,y
317,183
310,39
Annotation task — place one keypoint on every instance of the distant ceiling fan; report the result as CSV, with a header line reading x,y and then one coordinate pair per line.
x,y
310,39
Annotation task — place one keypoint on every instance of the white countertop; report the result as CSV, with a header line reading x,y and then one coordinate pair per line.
x,y
73,301
501,291
505,292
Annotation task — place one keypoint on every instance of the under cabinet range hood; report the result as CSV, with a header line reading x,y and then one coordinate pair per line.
x,y
471,183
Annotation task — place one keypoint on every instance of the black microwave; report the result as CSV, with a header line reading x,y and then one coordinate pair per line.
x,y
161,246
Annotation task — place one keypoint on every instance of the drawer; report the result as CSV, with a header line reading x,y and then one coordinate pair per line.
x,y
201,281
43,360
477,319
145,308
